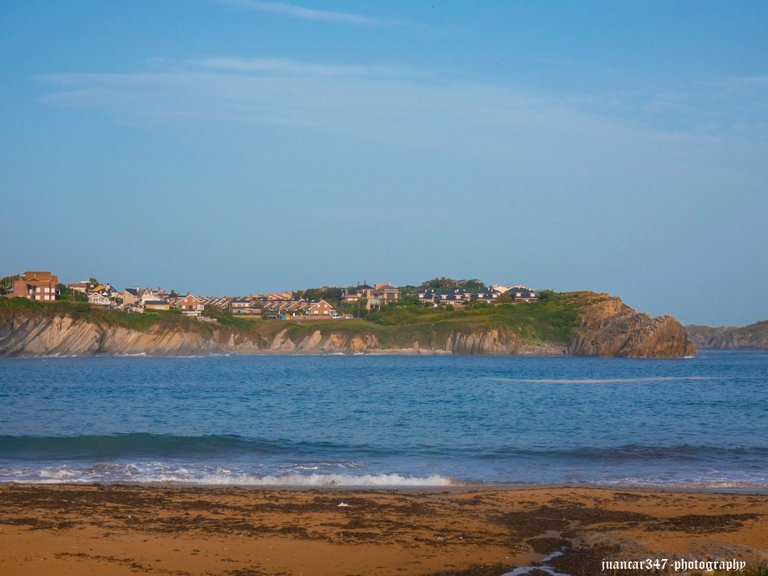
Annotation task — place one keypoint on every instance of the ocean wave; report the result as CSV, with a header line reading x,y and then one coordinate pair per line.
x,y
224,447
121,445
331,480
155,473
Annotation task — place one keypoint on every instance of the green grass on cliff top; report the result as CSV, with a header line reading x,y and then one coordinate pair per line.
x,y
552,319
85,311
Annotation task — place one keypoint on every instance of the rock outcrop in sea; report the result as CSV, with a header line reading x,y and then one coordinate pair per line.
x,y
608,327
605,327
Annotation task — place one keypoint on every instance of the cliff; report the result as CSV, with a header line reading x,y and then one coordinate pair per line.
x,y
608,327
753,336
579,323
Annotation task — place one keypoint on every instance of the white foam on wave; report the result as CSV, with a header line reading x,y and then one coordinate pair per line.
x,y
61,474
315,480
221,476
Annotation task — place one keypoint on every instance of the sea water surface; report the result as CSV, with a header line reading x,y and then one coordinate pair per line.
x,y
387,420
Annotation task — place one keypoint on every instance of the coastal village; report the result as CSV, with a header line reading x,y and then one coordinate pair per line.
x,y
326,303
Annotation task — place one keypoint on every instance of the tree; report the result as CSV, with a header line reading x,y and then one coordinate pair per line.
x,y
330,294
6,284
65,293
443,283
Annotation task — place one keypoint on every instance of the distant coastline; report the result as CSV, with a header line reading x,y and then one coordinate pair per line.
x,y
750,337
575,323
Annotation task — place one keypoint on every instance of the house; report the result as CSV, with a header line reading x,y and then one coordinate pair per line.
x,y
487,296
129,296
100,297
220,302
297,309
427,297
375,296
522,294
456,297
36,285
321,308
152,301
190,305
516,292
384,294
101,294
245,307
81,287
351,295
283,296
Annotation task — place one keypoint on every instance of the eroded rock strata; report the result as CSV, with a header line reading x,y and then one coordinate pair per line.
x,y
608,327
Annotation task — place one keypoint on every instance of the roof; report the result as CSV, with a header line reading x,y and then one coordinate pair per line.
x,y
452,296
33,275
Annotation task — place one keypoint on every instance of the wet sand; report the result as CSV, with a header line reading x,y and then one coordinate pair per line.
x,y
128,530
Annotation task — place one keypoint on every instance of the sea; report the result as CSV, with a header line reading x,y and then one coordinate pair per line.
x,y
387,421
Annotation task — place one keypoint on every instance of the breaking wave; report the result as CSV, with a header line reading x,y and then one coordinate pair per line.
x,y
160,473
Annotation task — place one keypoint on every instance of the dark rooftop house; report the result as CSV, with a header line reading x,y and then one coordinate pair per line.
x,y
454,297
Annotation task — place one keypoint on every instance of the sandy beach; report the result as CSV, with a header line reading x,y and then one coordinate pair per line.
x,y
122,530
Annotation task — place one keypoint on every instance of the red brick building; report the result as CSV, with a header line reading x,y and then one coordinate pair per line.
x,y
36,285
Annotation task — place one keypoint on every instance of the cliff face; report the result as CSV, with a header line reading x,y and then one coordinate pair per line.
x,y
63,336
754,336
606,327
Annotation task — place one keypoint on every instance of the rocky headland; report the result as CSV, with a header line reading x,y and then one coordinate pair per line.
x,y
753,336
577,323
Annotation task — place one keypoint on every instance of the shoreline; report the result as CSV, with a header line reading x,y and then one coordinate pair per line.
x,y
453,530
371,352
454,487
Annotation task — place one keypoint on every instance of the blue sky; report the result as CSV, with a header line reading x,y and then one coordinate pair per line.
x,y
240,146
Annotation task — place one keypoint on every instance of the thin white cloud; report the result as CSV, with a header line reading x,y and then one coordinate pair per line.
x,y
300,12
388,104
280,66
356,101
